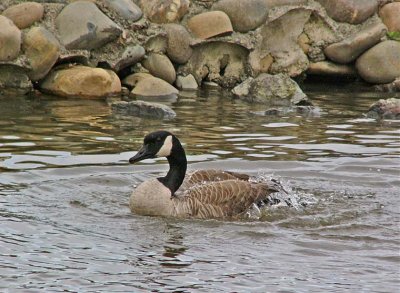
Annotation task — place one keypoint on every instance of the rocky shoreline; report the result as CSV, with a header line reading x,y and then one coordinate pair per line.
x,y
98,48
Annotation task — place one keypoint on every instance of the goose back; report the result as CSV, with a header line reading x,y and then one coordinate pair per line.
x,y
220,199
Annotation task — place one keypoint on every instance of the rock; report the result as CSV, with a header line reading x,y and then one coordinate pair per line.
x,y
143,109
210,24
42,50
81,25
244,15
220,62
350,11
304,42
160,66
321,31
350,48
154,87
385,109
131,80
165,11
178,43
128,57
157,43
274,3
390,14
25,14
187,82
278,45
10,39
81,81
14,77
389,87
326,68
126,9
381,63
273,90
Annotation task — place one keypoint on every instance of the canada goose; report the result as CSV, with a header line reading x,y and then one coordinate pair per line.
x,y
203,194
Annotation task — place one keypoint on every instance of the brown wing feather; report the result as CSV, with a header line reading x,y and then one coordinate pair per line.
x,y
200,176
222,198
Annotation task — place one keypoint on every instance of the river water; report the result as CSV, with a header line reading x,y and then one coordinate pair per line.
x,y
65,224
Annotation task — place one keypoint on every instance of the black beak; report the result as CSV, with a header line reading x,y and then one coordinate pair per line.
x,y
141,155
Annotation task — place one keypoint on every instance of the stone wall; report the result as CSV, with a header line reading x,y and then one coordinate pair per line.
x,y
96,48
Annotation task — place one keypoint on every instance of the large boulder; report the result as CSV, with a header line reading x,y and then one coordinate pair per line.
x,y
81,81
126,9
165,11
143,109
390,14
350,11
160,66
272,90
81,25
178,43
210,24
10,39
154,87
277,49
220,62
381,63
25,14
244,15
42,50
350,48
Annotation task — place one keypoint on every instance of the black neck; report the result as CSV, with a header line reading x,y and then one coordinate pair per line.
x,y
177,167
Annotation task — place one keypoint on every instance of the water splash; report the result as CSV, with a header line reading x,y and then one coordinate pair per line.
x,y
285,197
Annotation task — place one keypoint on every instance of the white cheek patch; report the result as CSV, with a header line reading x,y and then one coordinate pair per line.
x,y
166,148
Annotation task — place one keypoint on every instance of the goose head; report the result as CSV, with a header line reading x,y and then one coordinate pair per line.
x,y
164,144
156,144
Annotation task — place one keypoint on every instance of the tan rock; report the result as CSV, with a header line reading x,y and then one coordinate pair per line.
x,y
350,11
187,82
157,44
327,68
25,14
81,81
210,24
350,48
390,14
278,39
381,63
178,43
10,39
260,64
160,66
42,50
220,62
165,11
304,42
154,87
244,15
132,79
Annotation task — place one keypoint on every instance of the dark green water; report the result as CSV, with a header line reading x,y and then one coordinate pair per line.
x,y
65,183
